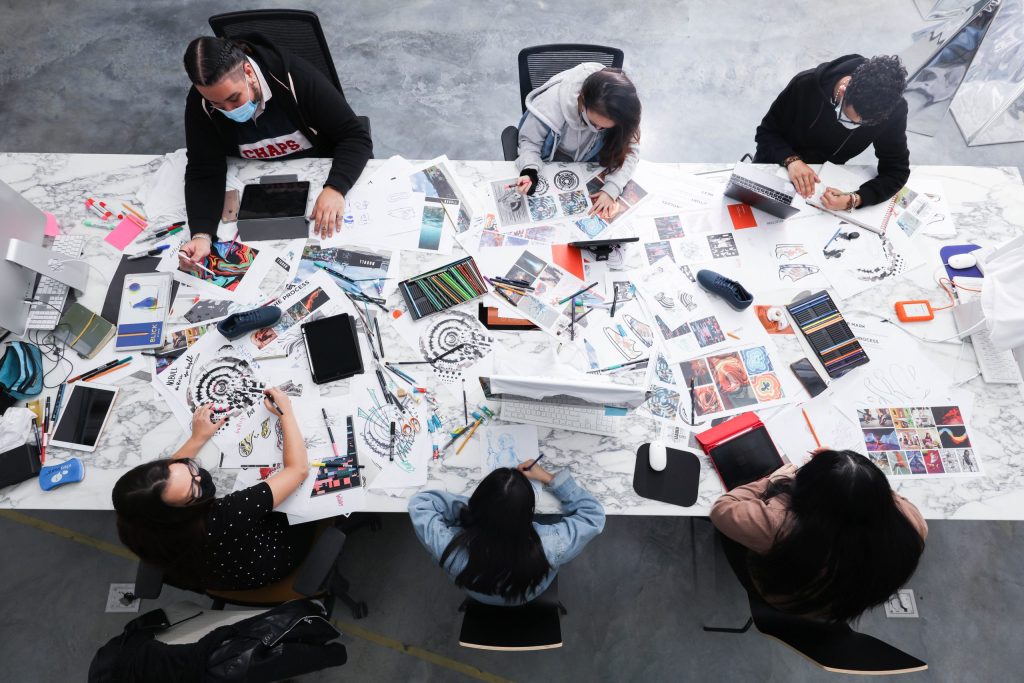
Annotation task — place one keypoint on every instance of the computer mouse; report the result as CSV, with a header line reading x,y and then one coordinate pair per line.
x,y
657,456
962,261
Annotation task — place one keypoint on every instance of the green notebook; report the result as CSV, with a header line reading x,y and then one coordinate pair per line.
x,y
84,331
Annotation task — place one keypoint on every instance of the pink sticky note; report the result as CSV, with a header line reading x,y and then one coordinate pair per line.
x,y
121,236
52,229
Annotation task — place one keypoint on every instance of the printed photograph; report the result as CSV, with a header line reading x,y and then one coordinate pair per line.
x,y
697,370
707,331
592,226
767,387
968,463
706,400
874,417
657,251
632,193
954,437
916,460
929,438
908,439
898,462
880,439
757,360
901,418
722,245
947,415
669,227
933,462
573,203
542,208
732,381
950,462
881,461
922,417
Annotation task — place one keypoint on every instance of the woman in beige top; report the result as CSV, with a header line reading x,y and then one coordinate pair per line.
x,y
830,539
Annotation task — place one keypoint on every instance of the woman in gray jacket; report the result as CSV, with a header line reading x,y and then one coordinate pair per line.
x,y
588,113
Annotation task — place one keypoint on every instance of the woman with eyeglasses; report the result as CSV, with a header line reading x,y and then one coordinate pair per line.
x,y
833,113
588,113
167,513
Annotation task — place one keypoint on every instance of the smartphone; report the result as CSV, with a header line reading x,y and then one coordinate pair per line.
x,y
808,376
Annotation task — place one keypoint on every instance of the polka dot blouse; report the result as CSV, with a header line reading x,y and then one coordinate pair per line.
x,y
247,545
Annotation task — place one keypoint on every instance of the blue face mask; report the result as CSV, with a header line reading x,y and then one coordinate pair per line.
x,y
242,113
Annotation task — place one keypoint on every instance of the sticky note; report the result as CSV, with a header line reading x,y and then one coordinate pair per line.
x,y
52,229
612,411
122,235
569,258
742,216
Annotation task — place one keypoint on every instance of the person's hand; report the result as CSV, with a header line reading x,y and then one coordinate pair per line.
x,y
819,449
536,473
328,212
204,423
803,178
280,398
835,200
604,206
524,184
194,251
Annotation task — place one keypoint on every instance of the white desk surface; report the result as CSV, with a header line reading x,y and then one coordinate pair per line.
x,y
987,204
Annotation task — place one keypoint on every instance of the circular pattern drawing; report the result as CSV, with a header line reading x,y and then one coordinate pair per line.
x,y
228,382
542,186
767,387
444,334
566,180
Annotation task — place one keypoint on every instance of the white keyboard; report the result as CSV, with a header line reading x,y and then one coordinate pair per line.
x,y
575,418
997,367
45,317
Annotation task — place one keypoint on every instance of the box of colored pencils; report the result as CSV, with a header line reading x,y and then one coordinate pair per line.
x,y
440,289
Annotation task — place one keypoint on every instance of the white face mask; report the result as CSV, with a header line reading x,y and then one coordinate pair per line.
x,y
588,123
841,117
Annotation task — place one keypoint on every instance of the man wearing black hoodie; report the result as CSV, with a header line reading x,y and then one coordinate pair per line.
x,y
832,113
251,100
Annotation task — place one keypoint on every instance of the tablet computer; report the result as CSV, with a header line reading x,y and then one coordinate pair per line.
x,y
332,347
86,410
273,200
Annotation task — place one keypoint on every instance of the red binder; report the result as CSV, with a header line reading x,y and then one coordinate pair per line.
x,y
741,450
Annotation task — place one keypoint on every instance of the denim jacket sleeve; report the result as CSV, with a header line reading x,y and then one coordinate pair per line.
x,y
583,520
435,519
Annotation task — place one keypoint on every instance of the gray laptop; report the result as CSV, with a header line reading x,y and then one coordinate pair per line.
x,y
763,191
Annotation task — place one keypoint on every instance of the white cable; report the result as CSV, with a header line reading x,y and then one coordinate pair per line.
x,y
958,336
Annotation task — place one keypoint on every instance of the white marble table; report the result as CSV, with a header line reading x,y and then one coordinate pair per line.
x,y
987,203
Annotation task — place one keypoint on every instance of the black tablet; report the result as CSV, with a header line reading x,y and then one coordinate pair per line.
x,y
274,200
332,347
745,458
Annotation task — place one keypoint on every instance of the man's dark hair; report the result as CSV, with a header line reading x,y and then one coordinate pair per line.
x,y
877,87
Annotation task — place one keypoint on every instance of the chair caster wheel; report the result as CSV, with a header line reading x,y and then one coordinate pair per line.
x,y
360,610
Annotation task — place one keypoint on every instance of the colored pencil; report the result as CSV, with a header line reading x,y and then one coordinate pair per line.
x,y
811,427
469,436
573,296
109,370
539,458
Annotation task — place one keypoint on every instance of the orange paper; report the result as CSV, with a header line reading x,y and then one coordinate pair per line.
x,y
569,258
742,216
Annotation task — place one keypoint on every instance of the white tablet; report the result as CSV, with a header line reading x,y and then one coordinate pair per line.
x,y
84,415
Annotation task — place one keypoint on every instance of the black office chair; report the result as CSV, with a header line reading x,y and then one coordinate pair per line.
x,y
317,577
533,626
539,63
833,647
296,31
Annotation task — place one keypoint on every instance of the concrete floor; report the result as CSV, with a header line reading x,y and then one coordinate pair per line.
x,y
436,77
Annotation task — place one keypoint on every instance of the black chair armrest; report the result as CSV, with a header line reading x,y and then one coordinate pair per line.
x,y
316,569
510,143
149,581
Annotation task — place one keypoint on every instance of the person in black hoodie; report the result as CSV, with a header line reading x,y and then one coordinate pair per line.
x,y
249,99
832,113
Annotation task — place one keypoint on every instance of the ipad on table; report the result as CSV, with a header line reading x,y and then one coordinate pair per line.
x,y
87,407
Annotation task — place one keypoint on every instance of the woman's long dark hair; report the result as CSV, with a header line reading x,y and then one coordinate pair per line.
x,y
209,59
609,92
847,547
165,535
503,551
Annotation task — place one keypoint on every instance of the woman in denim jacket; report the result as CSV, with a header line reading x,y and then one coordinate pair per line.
x,y
490,545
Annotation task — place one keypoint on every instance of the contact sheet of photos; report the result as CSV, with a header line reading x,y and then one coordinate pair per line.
x,y
916,441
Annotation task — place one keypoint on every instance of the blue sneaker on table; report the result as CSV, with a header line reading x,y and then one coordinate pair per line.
x,y
730,290
238,324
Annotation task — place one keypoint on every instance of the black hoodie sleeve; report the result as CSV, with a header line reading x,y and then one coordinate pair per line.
x,y
893,160
772,146
206,169
325,110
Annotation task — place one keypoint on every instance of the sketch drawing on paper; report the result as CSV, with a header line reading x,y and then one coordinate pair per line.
x,y
452,330
508,446
227,381
229,262
640,329
789,252
895,385
511,205
376,431
624,345
542,208
566,180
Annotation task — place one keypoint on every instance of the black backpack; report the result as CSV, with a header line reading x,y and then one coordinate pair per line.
x,y
285,641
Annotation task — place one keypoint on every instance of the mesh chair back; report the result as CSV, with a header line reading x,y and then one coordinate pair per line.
x,y
539,63
298,32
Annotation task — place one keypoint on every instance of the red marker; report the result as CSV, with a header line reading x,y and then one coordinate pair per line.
x,y
91,204
103,205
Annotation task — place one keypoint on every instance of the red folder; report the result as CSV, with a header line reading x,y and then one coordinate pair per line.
x,y
741,450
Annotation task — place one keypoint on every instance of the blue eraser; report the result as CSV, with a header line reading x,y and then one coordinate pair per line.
x,y
67,472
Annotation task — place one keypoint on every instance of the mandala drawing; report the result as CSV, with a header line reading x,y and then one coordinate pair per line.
x,y
446,333
566,180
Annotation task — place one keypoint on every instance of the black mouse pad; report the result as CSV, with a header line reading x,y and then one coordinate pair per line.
x,y
676,484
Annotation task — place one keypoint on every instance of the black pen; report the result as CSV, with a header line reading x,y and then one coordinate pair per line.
x,y
693,402
391,450
530,466
465,403
615,299
447,353
573,296
152,252
380,341
383,385
57,403
39,443
273,403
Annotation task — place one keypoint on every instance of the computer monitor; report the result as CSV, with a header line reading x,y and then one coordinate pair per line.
x,y
23,258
